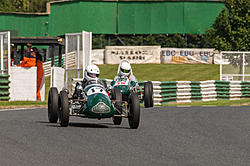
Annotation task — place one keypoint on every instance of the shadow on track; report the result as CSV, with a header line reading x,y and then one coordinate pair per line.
x,y
95,125
85,125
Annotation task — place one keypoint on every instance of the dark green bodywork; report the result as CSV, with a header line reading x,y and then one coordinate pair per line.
x,y
125,89
98,103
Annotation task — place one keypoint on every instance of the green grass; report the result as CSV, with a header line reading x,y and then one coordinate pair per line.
x,y
167,72
18,104
213,103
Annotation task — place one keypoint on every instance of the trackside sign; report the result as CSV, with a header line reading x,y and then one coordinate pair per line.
x,y
184,55
134,54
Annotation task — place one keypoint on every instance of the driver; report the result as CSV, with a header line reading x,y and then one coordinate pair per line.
x,y
125,70
91,76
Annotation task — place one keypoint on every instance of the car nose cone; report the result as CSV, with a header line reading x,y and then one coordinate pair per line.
x,y
101,108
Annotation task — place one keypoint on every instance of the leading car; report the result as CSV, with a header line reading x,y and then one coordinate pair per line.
x,y
93,101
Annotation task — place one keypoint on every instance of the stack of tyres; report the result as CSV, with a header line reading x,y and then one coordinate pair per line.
x,y
4,87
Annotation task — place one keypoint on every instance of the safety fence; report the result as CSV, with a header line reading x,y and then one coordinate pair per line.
x,y
71,63
188,91
4,87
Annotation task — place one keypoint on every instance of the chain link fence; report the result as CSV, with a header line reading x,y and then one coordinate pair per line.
x,y
78,49
235,66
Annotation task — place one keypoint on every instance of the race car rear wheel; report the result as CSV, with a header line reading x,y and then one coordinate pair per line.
x,y
64,109
53,105
134,111
148,94
117,95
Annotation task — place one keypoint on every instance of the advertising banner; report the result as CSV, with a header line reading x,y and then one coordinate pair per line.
x,y
97,56
134,54
185,55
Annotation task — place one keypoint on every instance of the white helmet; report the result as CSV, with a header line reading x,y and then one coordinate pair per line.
x,y
91,72
124,68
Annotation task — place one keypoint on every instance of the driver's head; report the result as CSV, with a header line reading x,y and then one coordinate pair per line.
x,y
124,68
91,72
29,45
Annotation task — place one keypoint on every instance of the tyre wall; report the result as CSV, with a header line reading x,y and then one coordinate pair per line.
x,y
188,91
4,87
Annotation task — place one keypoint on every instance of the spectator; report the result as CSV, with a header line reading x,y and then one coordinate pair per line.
x,y
40,72
29,59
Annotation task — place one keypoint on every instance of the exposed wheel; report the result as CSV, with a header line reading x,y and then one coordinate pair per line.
x,y
117,95
134,111
53,105
152,91
64,109
148,94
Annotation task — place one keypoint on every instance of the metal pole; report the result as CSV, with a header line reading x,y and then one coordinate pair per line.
x,y
221,66
9,53
90,47
53,55
1,49
60,56
66,61
22,52
83,52
78,55
243,66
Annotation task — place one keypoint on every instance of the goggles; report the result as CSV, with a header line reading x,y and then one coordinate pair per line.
x,y
125,71
93,75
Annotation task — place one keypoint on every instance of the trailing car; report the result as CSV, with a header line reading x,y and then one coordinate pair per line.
x,y
128,87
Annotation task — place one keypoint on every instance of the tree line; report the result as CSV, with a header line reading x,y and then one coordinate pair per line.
x,y
31,6
230,31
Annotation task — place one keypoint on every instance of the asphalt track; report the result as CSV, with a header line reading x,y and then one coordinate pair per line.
x,y
182,136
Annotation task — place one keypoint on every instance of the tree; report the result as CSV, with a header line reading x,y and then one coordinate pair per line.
x,y
231,29
231,32
23,5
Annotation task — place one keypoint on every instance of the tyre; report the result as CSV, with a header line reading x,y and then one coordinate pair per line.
x,y
117,95
148,94
134,111
53,105
64,109
152,92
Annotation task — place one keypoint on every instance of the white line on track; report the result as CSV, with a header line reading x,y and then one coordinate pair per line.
x,y
208,105
17,109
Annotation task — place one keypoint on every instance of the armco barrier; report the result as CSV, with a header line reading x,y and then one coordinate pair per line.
x,y
4,87
188,91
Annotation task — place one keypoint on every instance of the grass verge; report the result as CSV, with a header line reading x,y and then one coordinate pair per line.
x,y
21,104
242,102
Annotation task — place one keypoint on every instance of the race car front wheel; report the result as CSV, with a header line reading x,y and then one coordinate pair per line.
x,y
64,109
134,111
117,95
53,105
